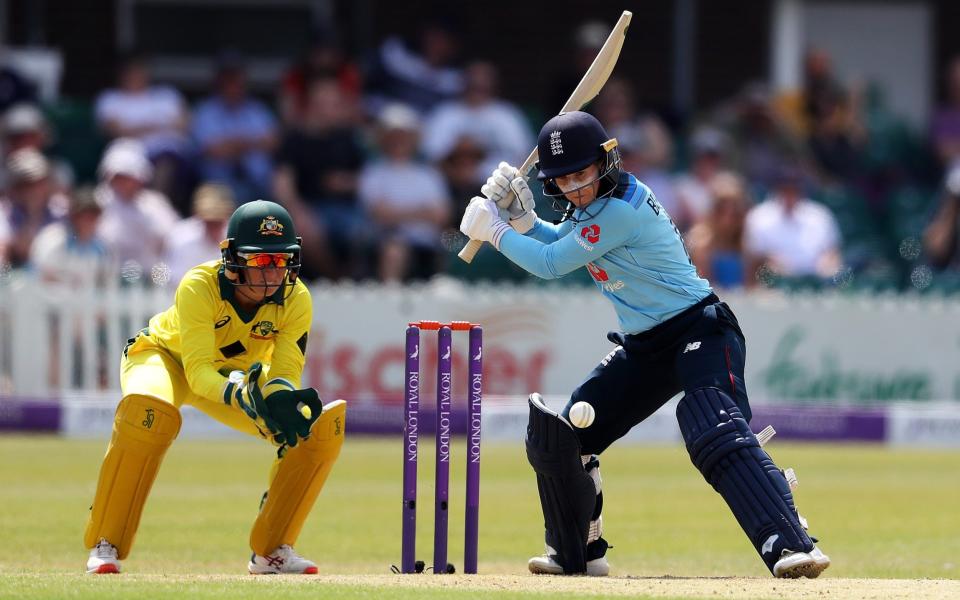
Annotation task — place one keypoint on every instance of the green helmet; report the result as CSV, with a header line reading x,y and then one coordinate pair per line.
x,y
260,226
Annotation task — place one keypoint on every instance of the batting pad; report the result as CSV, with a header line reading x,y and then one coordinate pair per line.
x,y
143,429
568,495
299,477
728,454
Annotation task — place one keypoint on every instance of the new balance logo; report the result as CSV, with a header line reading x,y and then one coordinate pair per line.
x,y
768,545
691,347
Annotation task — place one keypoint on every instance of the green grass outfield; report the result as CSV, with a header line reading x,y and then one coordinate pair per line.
x,y
880,513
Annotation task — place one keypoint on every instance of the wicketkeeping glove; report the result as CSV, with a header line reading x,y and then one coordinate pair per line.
x,y
246,394
286,408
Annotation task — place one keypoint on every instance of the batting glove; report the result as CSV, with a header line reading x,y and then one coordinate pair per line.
x,y
507,187
482,222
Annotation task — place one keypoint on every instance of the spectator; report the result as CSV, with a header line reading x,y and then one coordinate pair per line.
x,y
14,88
316,180
197,239
323,59
799,109
498,125
641,144
30,203
941,236
588,39
837,138
789,235
69,251
135,218
461,170
6,235
422,76
154,114
24,126
406,199
694,197
236,134
716,241
945,126
759,141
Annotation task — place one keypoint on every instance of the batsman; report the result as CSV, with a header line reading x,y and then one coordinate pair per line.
x,y
675,336
232,345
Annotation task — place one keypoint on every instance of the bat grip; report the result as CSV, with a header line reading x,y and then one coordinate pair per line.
x,y
470,250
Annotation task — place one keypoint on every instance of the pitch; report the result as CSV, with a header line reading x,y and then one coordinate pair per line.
x,y
886,517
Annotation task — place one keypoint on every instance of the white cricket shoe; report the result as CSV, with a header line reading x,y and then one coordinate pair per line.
x,y
103,559
801,564
546,565
282,560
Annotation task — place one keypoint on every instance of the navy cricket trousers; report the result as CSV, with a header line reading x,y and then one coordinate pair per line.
x,y
702,346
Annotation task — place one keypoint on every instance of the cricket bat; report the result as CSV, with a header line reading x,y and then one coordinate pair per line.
x,y
588,88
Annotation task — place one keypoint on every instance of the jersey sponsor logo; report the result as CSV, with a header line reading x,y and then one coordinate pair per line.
x,y
263,330
613,287
583,244
597,273
221,322
556,144
691,347
591,233
271,226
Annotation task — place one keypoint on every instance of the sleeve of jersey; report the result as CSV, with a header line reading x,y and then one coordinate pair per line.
x,y
588,241
196,307
547,233
290,346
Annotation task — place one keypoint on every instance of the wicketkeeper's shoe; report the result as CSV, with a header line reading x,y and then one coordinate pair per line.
x,y
282,560
801,564
103,559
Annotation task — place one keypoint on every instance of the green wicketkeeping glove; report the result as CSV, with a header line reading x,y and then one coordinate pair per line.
x,y
287,408
246,394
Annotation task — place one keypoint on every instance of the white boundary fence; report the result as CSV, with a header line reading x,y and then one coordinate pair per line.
x,y
818,367
853,350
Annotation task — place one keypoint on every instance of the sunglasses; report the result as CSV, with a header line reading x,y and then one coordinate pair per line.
x,y
267,259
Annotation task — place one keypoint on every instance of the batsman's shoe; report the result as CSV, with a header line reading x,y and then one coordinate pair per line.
x,y
282,560
801,564
103,559
546,565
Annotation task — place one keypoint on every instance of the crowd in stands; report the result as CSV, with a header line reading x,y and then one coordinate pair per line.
x,y
375,157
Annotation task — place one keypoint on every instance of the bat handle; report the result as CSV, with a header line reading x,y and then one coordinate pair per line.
x,y
470,250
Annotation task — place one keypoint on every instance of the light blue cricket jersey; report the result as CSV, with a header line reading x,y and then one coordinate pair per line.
x,y
631,248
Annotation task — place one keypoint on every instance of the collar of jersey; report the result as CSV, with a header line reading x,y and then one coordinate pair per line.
x,y
626,190
228,293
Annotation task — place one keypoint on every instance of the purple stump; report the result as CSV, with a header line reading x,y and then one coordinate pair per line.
x,y
442,475
471,534
411,432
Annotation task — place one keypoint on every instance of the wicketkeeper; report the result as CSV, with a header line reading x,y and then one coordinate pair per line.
x,y
232,345
676,336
